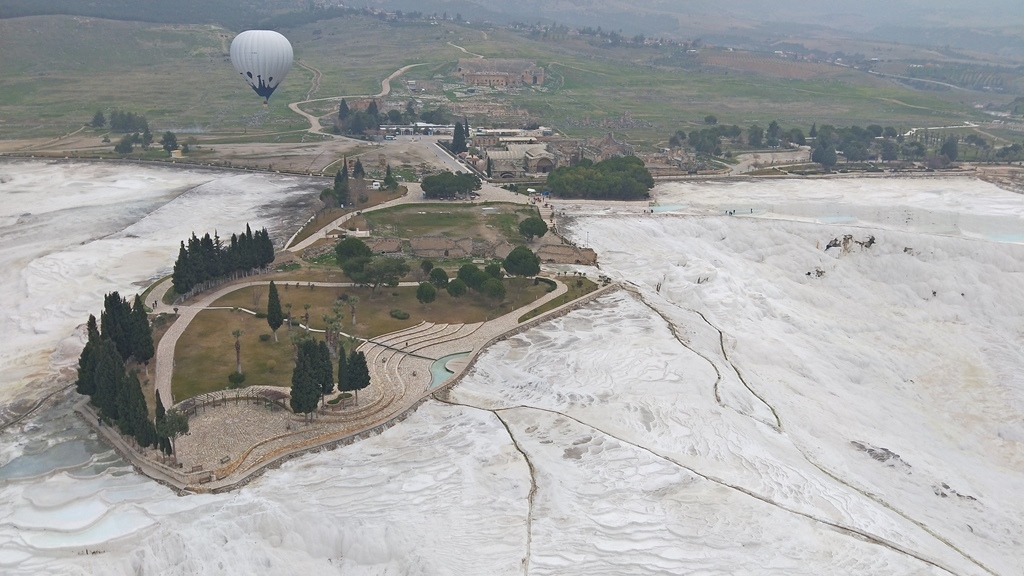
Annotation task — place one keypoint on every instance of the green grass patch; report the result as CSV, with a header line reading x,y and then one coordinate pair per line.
x,y
321,219
205,353
452,220
578,287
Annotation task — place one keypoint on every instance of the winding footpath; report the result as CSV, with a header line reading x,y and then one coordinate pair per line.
x,y
314,121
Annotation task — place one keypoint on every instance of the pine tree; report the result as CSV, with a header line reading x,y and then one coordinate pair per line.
x,y
275,317
86,383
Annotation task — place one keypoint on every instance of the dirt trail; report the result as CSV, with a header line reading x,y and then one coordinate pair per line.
x,y
314,122
315,84
474,54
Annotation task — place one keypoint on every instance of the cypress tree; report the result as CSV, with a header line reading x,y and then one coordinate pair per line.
x,y
390,182
266,248
305,382
109,378
358,372
275,317
115,323
133,419
459,139
326,370
86,383
343,384
357,171
159,408
343,110
142,333
182,279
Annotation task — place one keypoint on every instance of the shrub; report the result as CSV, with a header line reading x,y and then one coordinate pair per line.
x,y
261,314
236,378
399,314
264,337
339,398
549,282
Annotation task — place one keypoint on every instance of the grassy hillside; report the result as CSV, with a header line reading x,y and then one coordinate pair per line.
x,y
180,77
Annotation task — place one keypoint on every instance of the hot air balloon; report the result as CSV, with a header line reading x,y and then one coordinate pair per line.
x,y
263,58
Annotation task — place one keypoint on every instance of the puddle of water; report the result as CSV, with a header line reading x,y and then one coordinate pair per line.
x,y
439,374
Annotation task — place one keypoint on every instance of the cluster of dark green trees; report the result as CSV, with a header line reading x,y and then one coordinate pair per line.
x,y
521,261
102,374
705,140
340,194
709,140
449,185
206,260
121,121
486,282
856,143
623,178
360,121
313,376
358,263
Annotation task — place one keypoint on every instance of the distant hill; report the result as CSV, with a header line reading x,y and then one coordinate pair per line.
x,y
990,24
233,14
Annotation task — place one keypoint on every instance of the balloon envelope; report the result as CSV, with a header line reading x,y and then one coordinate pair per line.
x,y
263,58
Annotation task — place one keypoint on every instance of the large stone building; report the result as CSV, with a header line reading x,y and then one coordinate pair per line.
x,y
518,160
499,72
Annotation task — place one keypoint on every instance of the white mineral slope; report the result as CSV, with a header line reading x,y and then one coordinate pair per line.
x,y
73,231
928,384
604,506
444,493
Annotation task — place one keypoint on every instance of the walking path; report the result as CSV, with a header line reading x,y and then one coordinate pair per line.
x,y
230,442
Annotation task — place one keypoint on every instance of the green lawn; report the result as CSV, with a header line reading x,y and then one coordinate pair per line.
x,y
205,353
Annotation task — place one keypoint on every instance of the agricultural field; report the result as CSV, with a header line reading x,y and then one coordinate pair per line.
x,y
771,65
